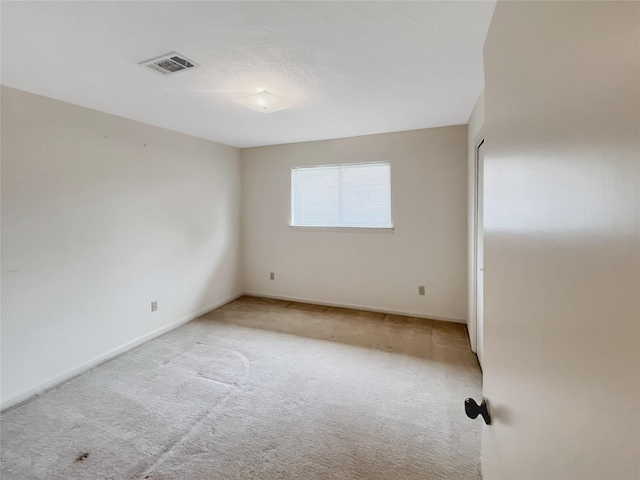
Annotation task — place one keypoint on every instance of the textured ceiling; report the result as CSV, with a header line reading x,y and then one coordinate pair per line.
x,y
348,68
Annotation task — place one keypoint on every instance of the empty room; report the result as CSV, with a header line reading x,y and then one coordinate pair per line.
x,y
320,240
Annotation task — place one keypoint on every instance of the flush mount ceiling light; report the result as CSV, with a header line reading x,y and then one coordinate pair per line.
x,y
265,102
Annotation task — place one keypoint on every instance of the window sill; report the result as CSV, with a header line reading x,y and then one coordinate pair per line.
x,y
298,228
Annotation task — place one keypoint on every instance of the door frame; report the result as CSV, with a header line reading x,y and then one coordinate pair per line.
x,y
473,251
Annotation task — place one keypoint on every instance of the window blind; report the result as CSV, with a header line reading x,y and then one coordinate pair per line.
x,y
353,195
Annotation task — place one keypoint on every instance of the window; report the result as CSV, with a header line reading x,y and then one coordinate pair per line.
x,y
352,195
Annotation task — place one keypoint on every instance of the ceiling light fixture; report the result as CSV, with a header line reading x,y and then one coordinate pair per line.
x,y
265,102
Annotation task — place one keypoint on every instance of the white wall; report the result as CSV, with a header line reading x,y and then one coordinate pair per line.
x,y
475,134
100,216
562,241
380,271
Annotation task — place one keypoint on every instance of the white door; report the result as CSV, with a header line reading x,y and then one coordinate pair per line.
x,y
561,370
479,267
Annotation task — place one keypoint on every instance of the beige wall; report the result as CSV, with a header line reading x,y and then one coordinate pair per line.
x,y
562,241
100,216
379,271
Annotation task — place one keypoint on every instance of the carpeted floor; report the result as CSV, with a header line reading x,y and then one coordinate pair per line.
x,y
266,390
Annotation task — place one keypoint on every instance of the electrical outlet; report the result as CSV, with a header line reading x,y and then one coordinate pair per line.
x,y
154,305
421,290
272,276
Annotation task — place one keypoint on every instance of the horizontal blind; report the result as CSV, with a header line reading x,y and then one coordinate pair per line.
x,y
356,195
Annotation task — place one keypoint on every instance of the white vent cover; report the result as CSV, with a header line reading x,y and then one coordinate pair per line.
x,y
170,63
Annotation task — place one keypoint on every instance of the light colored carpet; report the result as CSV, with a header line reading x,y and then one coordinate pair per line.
x,y
262,389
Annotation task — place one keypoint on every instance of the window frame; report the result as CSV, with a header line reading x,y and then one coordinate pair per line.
x,y
338,228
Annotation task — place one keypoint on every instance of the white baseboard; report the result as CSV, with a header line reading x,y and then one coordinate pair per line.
x,y
109,355
358,307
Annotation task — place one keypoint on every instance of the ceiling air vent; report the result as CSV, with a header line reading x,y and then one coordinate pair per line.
x,y
170,63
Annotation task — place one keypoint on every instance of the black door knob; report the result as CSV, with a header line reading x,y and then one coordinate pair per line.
x,y
472,409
